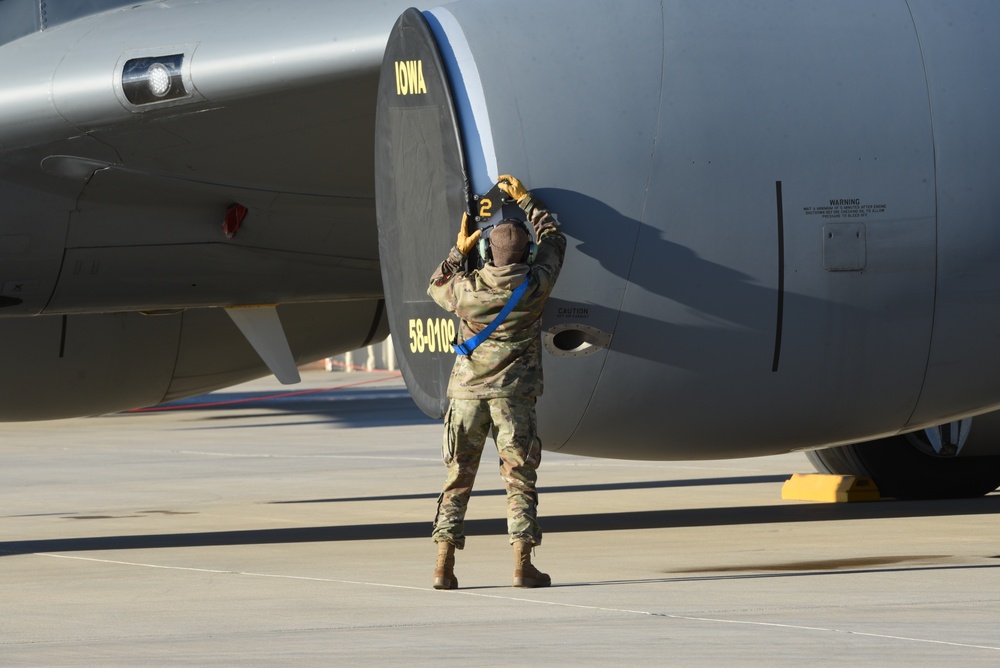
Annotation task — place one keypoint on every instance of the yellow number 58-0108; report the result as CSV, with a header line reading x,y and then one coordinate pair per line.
x,y
431,335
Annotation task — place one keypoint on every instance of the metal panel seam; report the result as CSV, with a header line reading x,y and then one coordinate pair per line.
x,y
937,262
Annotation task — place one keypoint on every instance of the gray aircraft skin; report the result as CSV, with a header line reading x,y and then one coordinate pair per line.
x,y
782,216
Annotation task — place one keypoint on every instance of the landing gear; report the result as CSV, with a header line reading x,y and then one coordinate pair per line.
x,y
907,467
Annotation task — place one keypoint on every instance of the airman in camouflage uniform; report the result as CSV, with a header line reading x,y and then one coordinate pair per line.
x,y
496,386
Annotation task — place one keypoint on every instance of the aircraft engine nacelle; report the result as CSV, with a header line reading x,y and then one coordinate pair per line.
x,y
782,217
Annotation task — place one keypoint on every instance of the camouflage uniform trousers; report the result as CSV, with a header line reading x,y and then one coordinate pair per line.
x,y
467,423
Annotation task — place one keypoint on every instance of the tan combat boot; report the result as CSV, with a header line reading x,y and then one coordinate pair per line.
x,y
526,575
444,572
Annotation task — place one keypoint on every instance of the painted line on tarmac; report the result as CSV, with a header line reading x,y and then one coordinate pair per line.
x,y
516,599
795,627
213,571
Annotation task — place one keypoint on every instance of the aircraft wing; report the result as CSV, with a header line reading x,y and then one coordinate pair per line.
x,y
269,106
173,157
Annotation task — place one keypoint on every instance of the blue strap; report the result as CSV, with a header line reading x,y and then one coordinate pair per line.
x,y
467,347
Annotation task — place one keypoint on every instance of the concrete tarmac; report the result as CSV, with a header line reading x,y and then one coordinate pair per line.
x,y
253,527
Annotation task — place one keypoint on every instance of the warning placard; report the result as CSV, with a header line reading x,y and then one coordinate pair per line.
x,y
845,208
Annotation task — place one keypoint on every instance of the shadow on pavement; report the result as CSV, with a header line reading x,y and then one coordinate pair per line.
x,y
603,487
650,519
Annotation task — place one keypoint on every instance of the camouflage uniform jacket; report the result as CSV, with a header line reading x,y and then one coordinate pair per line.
x,y
509,363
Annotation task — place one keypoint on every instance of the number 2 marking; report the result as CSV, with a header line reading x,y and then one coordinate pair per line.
x,y
486,209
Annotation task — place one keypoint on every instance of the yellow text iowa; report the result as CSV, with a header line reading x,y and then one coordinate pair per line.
x,y
410,77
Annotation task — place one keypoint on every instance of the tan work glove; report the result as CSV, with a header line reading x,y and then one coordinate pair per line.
x,y
514,189
466,241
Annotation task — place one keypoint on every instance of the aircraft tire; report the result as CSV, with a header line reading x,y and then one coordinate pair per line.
x,y
903,471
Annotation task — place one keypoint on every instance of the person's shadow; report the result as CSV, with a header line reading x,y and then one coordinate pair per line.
x,y
675,307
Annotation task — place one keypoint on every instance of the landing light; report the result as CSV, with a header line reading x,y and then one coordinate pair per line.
x,y
159,79
156,79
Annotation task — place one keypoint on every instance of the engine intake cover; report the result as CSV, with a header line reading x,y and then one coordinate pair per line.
x,y
421,187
